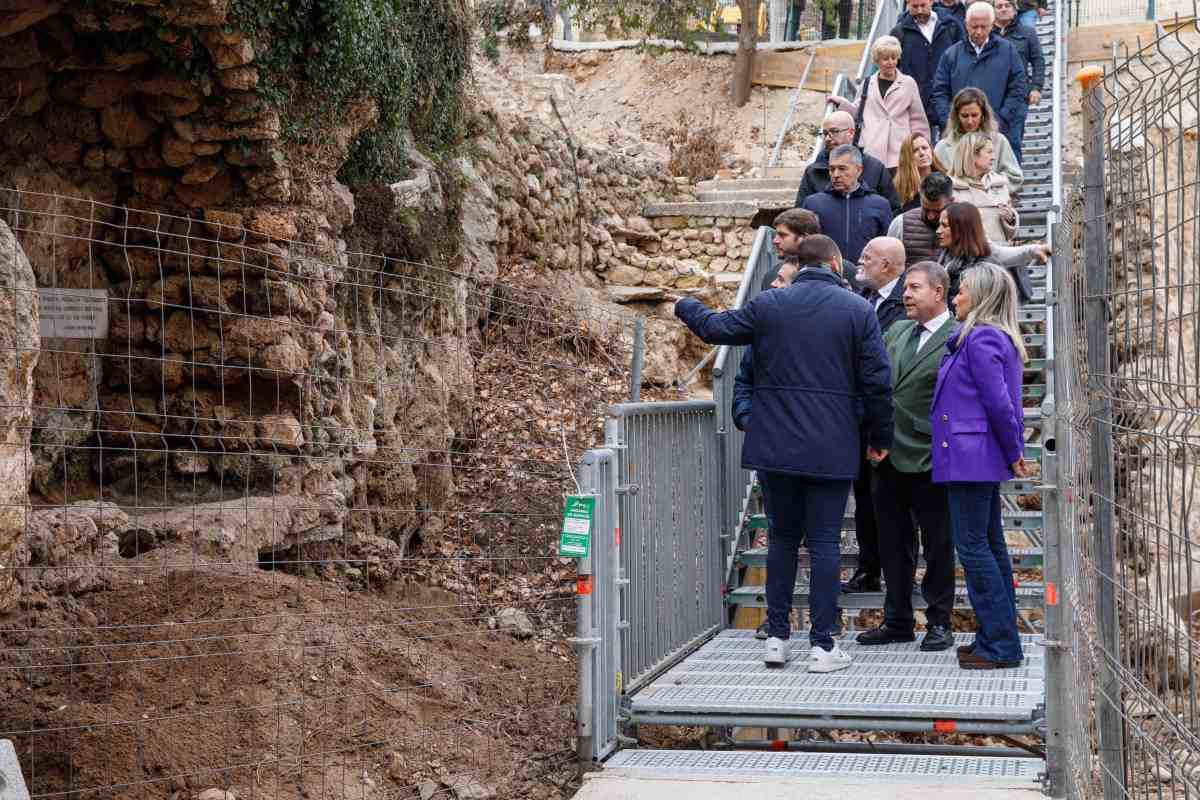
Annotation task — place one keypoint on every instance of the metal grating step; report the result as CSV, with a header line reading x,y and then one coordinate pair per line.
x,y
725,678
1029,596
1023,557
964,771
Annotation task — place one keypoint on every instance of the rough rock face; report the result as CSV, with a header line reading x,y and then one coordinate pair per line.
x,y
19,346
252,352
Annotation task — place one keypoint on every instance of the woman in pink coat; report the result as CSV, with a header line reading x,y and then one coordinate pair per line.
x,y
892,109
979,441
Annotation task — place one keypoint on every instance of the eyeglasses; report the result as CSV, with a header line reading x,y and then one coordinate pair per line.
x,y
834,131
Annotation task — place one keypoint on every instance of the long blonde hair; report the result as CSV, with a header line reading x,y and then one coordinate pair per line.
x,y
908,176
993,302
965,150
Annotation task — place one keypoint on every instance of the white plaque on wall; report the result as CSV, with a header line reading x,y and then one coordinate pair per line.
x,y
73,313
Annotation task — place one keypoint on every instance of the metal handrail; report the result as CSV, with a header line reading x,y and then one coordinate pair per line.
x,y
792,103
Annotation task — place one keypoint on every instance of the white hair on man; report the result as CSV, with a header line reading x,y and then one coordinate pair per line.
x,y
982,8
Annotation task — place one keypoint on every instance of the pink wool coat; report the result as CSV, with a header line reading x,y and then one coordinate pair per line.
x,y
888,121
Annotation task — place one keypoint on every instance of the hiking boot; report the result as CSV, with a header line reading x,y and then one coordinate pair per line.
x,y
937,638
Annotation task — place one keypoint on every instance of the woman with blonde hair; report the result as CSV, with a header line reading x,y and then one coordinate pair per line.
x,y
916,161
972,112
890,107
976,182
978,442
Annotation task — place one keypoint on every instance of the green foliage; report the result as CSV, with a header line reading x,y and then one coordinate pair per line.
x,y
513,15
669,19
412,57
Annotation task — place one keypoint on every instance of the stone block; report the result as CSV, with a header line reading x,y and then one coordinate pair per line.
x,y
12,783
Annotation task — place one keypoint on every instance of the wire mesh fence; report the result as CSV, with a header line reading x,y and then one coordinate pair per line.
x,y
282,519
1127,380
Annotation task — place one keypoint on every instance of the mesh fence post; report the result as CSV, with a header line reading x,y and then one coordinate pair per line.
x,y
1097,295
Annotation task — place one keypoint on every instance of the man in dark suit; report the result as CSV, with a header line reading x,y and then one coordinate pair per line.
x,y
902,487
815,345
881,276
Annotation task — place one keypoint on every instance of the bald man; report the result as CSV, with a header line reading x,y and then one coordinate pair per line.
x,y
838,129
881,276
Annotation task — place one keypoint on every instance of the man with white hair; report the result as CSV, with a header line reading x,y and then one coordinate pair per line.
x,y
988,62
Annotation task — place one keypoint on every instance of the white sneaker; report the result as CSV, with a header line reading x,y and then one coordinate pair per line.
x,y
777,652
822,660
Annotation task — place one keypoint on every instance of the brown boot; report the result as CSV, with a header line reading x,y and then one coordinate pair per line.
x,y
972,661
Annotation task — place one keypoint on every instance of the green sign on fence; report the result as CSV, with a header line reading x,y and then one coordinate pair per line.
x,y
576,538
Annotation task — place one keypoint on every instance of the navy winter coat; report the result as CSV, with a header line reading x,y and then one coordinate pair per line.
x,y
875,177
997,71
851,220
958,11
919,58
818,356
1029,48
743,390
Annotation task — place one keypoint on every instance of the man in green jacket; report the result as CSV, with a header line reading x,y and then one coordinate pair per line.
x,y
902,486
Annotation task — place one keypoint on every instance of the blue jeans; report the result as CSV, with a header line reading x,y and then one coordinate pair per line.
x,y
1028,18
803,507
978,531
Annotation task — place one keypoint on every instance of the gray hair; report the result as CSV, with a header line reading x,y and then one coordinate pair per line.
x,y
981,7
885,46
994,302
847,150
935,273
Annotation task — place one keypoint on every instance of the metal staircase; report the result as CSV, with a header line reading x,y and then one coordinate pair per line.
x,y
693,668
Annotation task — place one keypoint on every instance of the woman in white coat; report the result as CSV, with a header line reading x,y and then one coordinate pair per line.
x,y
891,109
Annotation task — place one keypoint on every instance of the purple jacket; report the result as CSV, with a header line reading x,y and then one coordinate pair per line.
x,y
977,419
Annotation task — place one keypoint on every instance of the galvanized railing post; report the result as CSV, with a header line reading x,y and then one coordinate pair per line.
x,y
1096,321
1057,635
586,638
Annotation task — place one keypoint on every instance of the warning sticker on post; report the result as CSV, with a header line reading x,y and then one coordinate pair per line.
x,y
576,538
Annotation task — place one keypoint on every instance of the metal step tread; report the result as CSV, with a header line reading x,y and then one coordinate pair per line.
x,y
967,771
1029,596
710,681
1012,520
757,556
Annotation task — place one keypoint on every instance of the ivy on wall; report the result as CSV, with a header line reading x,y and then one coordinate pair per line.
x,y
412,57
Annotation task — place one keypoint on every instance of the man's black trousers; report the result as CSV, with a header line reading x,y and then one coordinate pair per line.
x,y
865,531
903,502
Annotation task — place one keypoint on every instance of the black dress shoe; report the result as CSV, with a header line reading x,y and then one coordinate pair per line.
x,y
972,661
862,582
884,635
937,638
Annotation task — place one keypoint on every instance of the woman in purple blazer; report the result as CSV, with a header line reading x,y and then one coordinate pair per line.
x,y
978,441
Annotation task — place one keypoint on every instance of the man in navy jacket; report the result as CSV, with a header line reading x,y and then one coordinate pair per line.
x,y
821,377
925,33
850,214
991,64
